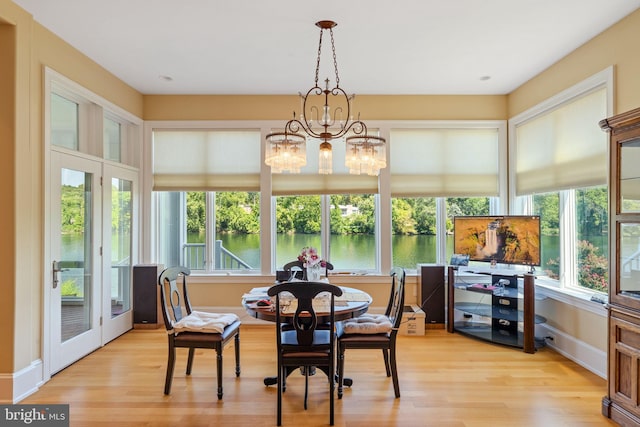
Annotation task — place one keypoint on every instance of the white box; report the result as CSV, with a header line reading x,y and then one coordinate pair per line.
x,y
412,321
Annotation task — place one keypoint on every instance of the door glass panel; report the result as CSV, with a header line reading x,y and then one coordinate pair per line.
x,y
630,176
64,122
121,217
629,262
76,255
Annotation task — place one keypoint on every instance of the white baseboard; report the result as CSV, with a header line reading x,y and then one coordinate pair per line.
x,y
15,387
583,354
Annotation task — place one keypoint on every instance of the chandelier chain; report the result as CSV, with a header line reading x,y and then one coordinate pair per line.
x,y
319,53
335,60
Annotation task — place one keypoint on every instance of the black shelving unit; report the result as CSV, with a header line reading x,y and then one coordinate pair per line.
x,y
499,314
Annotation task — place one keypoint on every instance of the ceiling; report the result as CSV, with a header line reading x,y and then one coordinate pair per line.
x,y
382,47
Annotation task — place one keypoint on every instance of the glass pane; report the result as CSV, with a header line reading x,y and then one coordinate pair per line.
x,y
413,224
592,226
298,222
237,237
629,262
76,254
121,199
630,176
547,205
64,122
194,252
463,206
353,232
112,140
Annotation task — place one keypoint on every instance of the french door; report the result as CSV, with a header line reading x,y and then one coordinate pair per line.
x,y
92,213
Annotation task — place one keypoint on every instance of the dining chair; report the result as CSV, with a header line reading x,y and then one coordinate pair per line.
x,y
305,344
300,272
375,332
191,329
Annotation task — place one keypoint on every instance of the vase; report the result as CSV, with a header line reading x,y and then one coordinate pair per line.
x,y
314,273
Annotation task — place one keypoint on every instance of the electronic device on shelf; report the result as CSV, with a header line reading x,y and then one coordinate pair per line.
x,y
459,260
498,239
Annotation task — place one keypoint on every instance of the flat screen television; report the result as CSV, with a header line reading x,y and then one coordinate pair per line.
x,y
504,239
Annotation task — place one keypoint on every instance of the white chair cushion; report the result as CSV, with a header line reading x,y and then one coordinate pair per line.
x,y
200,321
368,324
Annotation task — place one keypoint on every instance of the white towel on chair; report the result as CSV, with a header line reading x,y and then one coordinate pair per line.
x,y
201,321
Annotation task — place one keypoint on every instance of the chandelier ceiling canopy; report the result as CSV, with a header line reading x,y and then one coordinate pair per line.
x,y
326,115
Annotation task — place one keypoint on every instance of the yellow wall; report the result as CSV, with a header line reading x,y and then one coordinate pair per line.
x,y
7,185
616,46
372,107
26,47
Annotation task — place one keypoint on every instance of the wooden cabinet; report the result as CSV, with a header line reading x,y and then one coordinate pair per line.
x,y
622,404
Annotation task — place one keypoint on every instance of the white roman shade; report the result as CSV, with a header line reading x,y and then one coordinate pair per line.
x,y
308,181
206,160
563,148
444,162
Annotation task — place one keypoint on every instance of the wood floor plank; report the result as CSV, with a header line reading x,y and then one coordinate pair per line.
x,y
446,380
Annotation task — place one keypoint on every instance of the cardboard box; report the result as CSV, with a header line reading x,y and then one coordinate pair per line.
x,y
412,321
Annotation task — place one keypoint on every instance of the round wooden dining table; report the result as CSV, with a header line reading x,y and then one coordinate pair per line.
x,y
352,303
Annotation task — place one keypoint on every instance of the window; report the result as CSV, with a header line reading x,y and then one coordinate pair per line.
x,y
349,229
463,206
592,230
187,235
64,122
413,224
207,201
441,166
353,232
112,139
560,172
453,169
547,205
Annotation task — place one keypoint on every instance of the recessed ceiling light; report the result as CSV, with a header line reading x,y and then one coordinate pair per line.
x,y
485,78
166,78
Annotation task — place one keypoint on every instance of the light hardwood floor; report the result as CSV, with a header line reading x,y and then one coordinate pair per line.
x,y
446,380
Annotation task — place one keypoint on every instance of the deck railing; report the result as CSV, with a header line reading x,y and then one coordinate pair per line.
x,y
194,255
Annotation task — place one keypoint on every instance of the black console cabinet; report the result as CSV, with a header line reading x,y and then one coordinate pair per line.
x,y
501,311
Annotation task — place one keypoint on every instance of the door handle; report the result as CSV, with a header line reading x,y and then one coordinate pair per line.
x,y
57,269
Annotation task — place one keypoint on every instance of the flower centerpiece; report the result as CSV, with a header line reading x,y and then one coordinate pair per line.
x,y
312,262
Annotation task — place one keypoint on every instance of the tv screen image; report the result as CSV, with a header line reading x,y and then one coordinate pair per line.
x,y
506,239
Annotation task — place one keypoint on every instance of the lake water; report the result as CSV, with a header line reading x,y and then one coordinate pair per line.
x,y
351,252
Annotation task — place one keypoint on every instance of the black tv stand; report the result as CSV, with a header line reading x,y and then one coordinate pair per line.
x,y
501,311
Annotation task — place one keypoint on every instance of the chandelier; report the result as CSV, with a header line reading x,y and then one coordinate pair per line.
x,y
286,151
